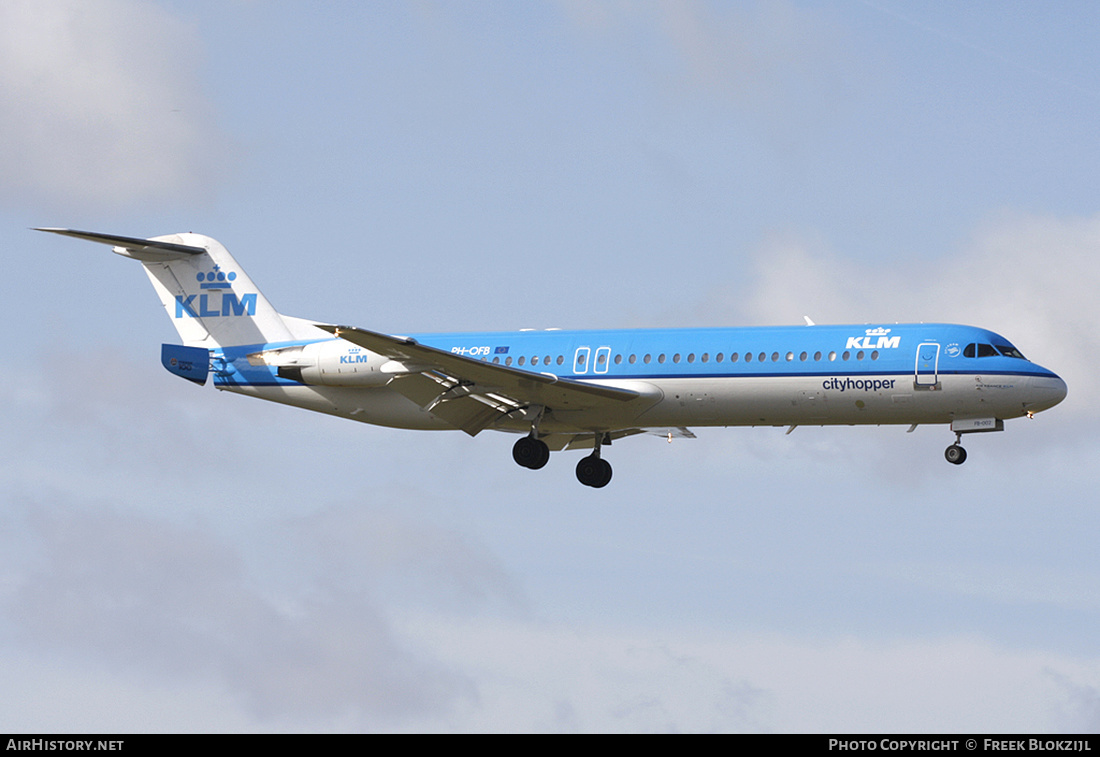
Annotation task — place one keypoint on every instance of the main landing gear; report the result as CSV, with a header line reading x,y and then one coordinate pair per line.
x,y
593,470
531,452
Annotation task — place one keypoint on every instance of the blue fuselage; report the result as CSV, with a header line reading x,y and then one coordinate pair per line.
x,y
898,373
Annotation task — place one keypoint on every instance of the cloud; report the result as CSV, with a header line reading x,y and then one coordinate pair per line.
x,y
1082,709
359,543
1038,276
107,560
169,602
100,105
1031,278
105,614
543,677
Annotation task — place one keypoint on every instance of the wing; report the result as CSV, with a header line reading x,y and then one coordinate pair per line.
x,y
474,395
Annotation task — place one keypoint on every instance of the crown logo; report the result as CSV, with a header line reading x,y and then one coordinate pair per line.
x,y
877,332
216,279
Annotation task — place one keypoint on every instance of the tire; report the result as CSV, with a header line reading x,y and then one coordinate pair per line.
x,y
531,453
955,454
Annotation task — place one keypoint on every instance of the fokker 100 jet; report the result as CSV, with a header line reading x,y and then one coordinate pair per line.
x,y
581,389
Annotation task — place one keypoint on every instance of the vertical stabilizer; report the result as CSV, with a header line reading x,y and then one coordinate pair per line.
x,y
208,297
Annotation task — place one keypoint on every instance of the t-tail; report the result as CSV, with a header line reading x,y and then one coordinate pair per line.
x,y
208,297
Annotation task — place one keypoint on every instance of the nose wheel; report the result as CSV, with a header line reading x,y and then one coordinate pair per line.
x,y
955,454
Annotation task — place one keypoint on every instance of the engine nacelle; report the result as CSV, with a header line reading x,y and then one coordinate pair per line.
x,y
341,363
331,363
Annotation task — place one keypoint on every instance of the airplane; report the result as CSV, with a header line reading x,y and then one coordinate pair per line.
x,y
581,389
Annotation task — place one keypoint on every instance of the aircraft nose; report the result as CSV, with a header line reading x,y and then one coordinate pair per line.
x,y
1045,392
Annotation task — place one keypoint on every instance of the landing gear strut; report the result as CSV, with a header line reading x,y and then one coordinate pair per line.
x,y
593,470
531,452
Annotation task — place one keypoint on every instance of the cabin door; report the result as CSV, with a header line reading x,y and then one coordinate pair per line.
x,y
928,364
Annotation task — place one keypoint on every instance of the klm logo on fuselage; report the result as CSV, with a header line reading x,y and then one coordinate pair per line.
x,y
873,339
215,305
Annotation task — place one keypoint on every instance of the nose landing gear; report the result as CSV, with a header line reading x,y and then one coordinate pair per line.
x,y
955,454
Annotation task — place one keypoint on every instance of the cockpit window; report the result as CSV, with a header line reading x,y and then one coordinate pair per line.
x,y
984,350
1009,351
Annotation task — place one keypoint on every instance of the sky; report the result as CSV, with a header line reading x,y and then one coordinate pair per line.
x,y
177,559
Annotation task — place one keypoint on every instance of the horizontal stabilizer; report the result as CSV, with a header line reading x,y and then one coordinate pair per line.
x,y
142,249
